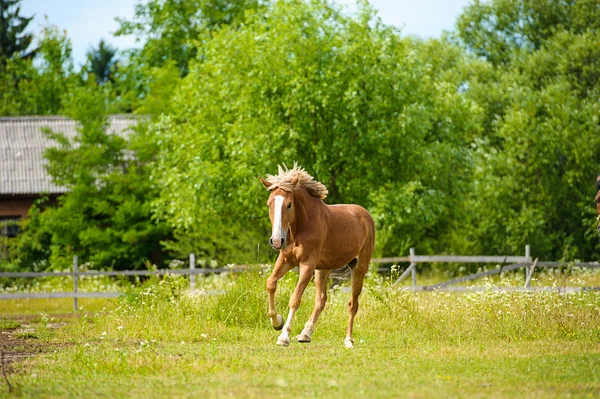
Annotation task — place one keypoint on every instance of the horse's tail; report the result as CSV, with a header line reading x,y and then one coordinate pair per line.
x,y
343,273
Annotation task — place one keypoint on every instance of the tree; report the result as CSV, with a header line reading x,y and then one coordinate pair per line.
x,y
169,28
495,30
101,62
37,86
379,119
13,40
170,33
106,216
537,157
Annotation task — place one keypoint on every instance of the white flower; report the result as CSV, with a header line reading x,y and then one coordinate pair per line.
x,y
120,328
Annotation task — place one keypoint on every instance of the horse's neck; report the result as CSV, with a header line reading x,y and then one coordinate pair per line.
x,y
308,208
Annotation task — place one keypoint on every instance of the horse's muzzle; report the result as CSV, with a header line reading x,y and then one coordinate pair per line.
x,y
278,243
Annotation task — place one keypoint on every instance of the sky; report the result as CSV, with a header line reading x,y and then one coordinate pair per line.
x,y
88,21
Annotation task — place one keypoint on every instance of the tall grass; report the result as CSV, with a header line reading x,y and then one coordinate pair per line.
x,y
160,340
234,307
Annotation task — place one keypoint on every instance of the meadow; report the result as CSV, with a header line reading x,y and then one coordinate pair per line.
x,y
161,341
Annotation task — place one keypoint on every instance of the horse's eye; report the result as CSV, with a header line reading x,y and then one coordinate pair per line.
x,y
289,205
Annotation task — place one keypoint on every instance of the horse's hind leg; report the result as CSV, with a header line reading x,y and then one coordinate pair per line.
x,y
357,283
320,300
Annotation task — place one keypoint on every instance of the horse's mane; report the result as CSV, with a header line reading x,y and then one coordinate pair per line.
x,y
285,177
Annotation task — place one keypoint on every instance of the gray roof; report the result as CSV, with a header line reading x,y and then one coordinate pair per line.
x,y
22,144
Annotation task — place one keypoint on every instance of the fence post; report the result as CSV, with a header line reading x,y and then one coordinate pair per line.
x,y
528,256
192,275
414,267
530,273
75,282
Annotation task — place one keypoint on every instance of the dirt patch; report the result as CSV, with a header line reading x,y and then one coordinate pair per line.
x,y
18,340
18,343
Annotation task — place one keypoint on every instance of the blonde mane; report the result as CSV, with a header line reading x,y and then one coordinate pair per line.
x,y
285,177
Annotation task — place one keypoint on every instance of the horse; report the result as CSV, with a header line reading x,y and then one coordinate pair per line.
x,y
317,238
597,199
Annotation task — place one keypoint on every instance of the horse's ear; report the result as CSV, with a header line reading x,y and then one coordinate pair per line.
x,y
265,183
295,180
598,183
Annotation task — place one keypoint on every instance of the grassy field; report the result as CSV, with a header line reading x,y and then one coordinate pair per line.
x,y
161,342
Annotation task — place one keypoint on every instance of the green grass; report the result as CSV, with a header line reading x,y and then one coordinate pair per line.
x,y
62,306
161,342
7,324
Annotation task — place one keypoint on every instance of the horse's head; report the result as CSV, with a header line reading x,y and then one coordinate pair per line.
x,y
281,212
597,199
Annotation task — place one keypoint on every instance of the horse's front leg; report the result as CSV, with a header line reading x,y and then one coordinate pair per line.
x,y
280,269
306,272
320,300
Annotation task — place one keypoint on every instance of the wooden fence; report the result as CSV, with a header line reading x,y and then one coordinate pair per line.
x,y
192,271
506,263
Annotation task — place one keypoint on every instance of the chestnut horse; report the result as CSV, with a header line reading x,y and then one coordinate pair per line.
x,y
317,238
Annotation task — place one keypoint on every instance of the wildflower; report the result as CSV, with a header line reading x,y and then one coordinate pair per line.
x,y
120,328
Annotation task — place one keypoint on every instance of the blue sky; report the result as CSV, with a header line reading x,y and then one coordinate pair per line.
x,y
88,21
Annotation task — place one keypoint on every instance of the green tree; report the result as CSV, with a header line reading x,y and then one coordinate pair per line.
x,y
106,216
37,86
101,62
496,29
379,119
13,39
169,28
537,157
169,33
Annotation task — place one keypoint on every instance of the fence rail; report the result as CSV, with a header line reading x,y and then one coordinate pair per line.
x,y
192,272
507,263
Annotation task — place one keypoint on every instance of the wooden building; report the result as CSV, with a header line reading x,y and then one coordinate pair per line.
x,y
23,176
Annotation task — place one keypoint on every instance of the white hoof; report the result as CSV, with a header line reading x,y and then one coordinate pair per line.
x,y
304,338
349,343
277,322
283,341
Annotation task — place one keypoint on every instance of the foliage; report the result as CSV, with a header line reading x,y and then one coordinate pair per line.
x,y
36,86
170,28
537,157
498,29
106,217
379,119
479,142
101,62
13,41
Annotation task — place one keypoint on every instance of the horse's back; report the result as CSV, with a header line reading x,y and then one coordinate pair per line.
x,y
350,231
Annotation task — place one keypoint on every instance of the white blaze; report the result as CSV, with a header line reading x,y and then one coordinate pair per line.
x,y
277,228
